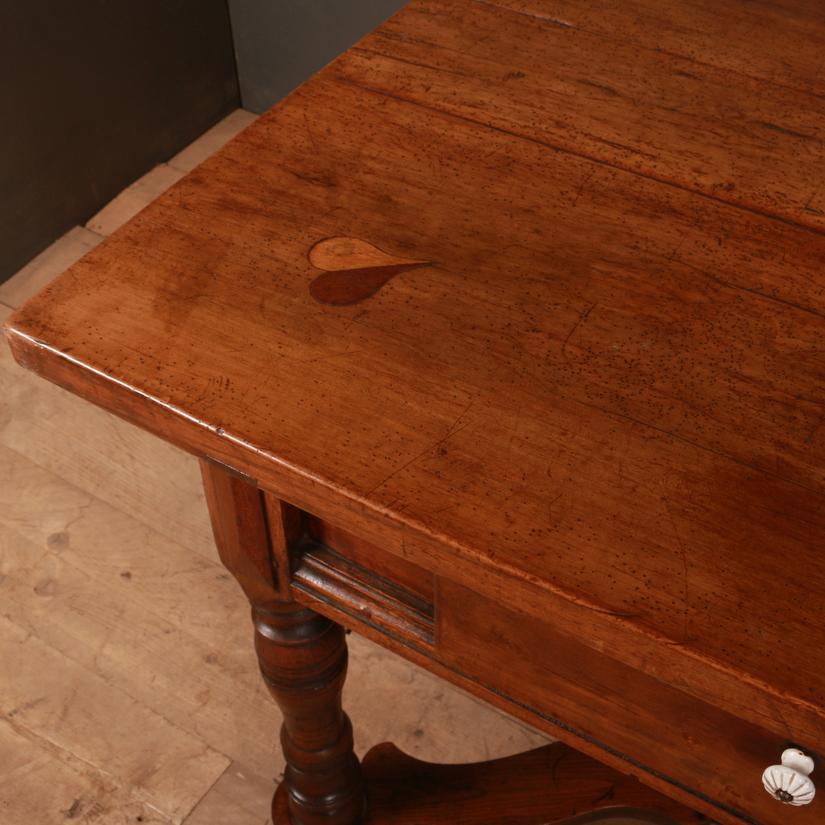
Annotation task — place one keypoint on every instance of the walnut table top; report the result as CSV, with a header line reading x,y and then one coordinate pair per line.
x,y
535,290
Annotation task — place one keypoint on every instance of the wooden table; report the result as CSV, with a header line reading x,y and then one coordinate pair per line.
x,y
501,342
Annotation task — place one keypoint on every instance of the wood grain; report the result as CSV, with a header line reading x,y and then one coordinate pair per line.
x,y
779,41
169,768
42,783
601,406
609,83
238,797
109,613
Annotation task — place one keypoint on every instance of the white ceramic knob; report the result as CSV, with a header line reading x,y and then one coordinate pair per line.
x,y
790,782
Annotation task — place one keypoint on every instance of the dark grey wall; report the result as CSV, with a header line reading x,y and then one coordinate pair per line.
x,y
280,43
93,93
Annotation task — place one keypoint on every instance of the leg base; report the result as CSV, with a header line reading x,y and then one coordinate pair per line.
x,y
553,784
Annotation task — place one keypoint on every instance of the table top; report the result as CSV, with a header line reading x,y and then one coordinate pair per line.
x,y
540,283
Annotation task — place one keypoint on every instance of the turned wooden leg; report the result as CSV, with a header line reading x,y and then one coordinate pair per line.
x,y
303,657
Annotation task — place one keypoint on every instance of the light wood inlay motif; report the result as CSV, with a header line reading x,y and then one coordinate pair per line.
x,y
354,270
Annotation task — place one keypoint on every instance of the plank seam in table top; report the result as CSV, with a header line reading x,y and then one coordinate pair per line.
x,y
552,21
362,46
753,210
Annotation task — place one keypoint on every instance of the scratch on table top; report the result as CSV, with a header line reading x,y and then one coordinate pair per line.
x,y
581,319
453,429
683,553
535,15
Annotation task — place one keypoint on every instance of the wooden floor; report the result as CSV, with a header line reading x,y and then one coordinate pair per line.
x,y
129,691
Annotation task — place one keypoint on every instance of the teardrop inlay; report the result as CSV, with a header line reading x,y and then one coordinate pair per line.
x,y
354,270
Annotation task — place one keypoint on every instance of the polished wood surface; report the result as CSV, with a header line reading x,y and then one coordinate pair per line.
x,y
572,360
303,658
